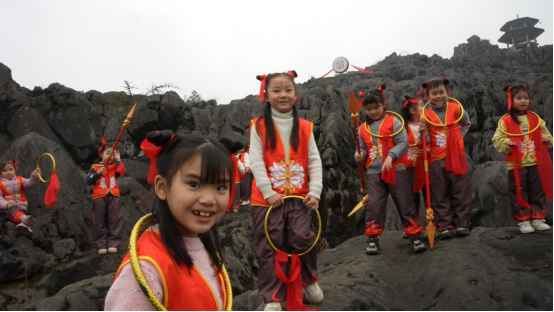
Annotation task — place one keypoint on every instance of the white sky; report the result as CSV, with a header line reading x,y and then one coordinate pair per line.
x,y
218,47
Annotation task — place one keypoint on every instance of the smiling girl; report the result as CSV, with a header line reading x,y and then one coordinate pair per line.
x,y
527,160
283,154
180,254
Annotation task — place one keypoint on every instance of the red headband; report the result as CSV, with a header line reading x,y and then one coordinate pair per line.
x,y
380,89
415,101
361,95
14,163
102,146
152,151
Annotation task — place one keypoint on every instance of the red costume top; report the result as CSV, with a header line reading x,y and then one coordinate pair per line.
x,y
411,155
107,181
17,197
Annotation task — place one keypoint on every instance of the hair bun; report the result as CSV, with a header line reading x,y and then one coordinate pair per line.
x,y
424,85
160,138
407,97
383,87
227,143
446,81
259,77
295,74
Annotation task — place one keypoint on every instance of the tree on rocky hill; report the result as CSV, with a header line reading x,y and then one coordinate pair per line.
x,y
194,97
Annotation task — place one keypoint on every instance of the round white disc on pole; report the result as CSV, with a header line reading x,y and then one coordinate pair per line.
x,y
340,65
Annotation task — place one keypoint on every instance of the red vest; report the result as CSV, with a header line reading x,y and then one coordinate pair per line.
x,y
411,155
373,152
107,182
286,178
184,290
17,197
236,173
527,145
439,134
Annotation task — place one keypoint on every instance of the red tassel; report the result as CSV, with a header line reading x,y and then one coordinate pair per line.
x,y
51,196
419,175
293,282
102,146
455,161
389,176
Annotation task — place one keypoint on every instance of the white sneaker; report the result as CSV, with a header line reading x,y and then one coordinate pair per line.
x,y
244,203
102,251
404,235
23,229
112,250
313,293
540,225
235,210
525,227
273,306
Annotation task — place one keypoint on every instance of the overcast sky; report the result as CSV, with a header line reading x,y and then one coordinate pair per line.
x,y
218,47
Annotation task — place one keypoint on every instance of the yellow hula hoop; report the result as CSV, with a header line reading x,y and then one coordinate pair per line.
x,y
515,134
139,276
396,133
53,166
441,125
267,232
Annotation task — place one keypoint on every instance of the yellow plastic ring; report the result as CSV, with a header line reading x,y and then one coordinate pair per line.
x,y
397,132
139,276
441,125
267,232
53,166
516,134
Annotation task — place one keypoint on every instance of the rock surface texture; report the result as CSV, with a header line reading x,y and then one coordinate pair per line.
x,y
57,268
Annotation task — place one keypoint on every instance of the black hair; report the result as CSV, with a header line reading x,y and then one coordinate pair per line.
x,y
230,145
268,120
515,90
373,96
3,165
216,168
406,113
435,83
238,145
103,148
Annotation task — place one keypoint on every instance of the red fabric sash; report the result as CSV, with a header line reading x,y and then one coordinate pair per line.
x,y
455,161
51,196
389,176
294,281
419,181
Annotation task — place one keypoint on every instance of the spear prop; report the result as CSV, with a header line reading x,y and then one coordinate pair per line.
x,y
125,124
428,211
355,120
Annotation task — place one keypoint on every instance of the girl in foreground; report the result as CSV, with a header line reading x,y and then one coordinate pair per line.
x,y
180,254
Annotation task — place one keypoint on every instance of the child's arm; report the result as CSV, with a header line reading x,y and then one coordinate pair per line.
x,y
400,141
315,169
3,201
546,136
93,176
465,124
363,148
32,181
257,164
247,162
241,167
500,140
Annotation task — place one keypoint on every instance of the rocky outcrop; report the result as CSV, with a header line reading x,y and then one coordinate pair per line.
x,y
491,269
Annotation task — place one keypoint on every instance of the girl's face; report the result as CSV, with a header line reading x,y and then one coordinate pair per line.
x,y
8,172
195,206
520,101
416,111
281,94
438,95
375,110
105,154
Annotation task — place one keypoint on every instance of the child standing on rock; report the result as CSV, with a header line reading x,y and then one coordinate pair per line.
x,y
107,216
180,255
246,179
283,152
522,135
445,127
13,204
383,142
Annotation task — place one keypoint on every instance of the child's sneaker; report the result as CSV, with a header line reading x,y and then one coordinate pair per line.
x,y
23,229
112,250
372,246
447,234
246,202
235,210
463,231
540,225
314,294
102,251
404,235
525,227
273,306
28,219
417,244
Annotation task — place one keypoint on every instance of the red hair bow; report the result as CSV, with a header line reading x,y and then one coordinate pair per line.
x,y
414,101
293,75
14,163
262,87
361,95
152,151
380,89
102,146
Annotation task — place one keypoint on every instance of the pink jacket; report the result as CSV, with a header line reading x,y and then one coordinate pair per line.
x,y
12,186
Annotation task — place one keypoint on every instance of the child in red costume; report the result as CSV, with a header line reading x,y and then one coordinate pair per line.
x,y
385,172
13,204
528,161
180,254
107,216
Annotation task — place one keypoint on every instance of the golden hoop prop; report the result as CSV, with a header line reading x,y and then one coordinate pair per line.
x,y
516,134
53,166
441,125
267,232
139,276
394,134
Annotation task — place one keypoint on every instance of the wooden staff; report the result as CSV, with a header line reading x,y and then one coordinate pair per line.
x,y
428,211
125,124
355,120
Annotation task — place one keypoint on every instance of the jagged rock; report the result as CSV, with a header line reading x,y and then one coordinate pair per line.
x,y
137,169
63,248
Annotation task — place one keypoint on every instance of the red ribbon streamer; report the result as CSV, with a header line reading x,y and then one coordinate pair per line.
x,y
262,88
414,101
293,282
102,146
152,151
455,161
51,196
367,71
327,74
380,89
509,92
389,176
14,163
